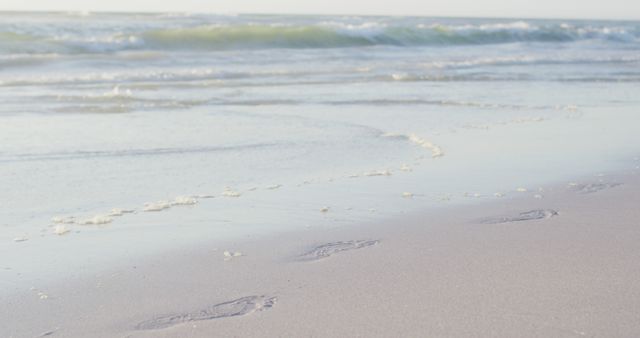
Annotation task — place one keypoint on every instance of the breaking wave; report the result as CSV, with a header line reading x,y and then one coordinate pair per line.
x,y
320,35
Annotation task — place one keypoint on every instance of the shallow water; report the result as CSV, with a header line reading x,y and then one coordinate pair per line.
x,y
288,122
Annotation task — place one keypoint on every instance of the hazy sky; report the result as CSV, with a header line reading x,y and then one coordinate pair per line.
x,y
614,9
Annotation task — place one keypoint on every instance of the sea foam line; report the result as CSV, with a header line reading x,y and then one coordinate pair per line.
x,y
435,150
61,222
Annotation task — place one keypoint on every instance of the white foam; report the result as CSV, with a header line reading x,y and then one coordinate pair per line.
x,y
203,196
20,239
377,173
521,189
228,192
117,92
435,150
184,200
401,76
116,212
97,220
228,255
274,187
157,206
60,230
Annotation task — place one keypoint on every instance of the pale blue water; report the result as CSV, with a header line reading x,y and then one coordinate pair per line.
x,y
103,111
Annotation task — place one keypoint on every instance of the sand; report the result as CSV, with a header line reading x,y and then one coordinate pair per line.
x,y
564,265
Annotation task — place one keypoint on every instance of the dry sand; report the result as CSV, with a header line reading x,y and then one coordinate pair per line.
x,y
564,265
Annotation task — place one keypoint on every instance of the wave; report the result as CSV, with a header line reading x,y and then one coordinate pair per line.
x,y
200,77
336,36
82,155
435,150
197,83
319,35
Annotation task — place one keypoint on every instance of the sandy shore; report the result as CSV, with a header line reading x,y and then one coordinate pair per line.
x,y
561,264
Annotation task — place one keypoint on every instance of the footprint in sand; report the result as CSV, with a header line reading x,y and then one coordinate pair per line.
x,y
326,250
593,187
239,307
531,215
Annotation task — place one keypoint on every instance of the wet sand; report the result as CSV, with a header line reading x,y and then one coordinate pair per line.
x,y
562,262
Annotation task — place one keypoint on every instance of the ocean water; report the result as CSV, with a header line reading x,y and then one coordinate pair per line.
x,y
205,127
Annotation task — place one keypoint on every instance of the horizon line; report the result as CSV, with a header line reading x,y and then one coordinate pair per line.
x,y
63,11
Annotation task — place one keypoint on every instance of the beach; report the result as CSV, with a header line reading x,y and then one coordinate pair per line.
x,y
479,270
199,175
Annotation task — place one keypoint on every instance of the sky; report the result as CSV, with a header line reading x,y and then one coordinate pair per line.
x,y
589,9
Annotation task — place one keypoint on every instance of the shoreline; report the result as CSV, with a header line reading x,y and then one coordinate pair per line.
x,y
318,176
518,266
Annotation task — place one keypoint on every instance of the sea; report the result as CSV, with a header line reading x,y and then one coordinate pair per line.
x,y
126,134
